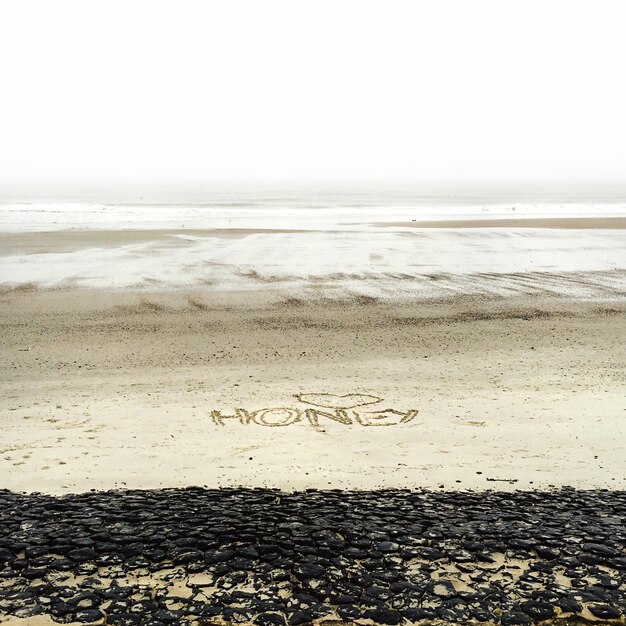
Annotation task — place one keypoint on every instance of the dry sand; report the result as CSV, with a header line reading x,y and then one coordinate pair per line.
x,y
119,389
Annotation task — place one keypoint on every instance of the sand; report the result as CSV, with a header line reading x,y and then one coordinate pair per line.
x,y
480,348
568,223
110,389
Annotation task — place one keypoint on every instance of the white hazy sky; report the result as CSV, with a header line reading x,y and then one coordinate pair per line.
x,y
339,90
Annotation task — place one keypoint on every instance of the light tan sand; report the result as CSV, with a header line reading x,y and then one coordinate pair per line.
x,y
603,223
102,390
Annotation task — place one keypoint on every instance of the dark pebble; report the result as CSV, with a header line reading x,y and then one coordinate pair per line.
x,y
604,612
269,619
515,619
299,617
537,610
383,616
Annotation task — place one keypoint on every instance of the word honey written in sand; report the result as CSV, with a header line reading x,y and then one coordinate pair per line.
x,y
329,408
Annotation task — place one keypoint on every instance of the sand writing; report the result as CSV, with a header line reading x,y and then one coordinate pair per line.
x,y
286,416
342,412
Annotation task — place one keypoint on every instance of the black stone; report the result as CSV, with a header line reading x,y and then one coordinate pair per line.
x,y
166,616
124,619
306,571
82,554
299,617
604,611
28,611
348,612
235,615
569,605
269,619
384,616
601,549
132,549
415,615
537,610
618,563
550,554
481,614
514,619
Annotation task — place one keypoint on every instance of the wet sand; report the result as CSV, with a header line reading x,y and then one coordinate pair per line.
x,y
577,223
47,242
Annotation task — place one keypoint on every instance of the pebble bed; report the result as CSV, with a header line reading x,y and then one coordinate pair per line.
x,y
266,557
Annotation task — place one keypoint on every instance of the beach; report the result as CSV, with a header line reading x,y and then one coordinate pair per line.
x,y
291,416
302,352
105,390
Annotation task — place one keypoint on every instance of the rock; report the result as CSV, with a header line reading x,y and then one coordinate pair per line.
x,y
183,556
348,612
416,615
569,605
28,611
85,600
383,616
537,610
481,614
299,617
442,589
236,615
386,547
306,571
269,619
432,554
600,549
249,552
166,617
514,619
604,611
34,572
591,559
82,554
380,593
618,563
461,556
32,552
219,556
550,554
125,619
6,556
88,616
60,609
132,549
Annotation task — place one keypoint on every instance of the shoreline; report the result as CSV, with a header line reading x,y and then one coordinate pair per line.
x,y
320,255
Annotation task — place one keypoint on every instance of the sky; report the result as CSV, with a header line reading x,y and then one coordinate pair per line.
x,y
140,93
